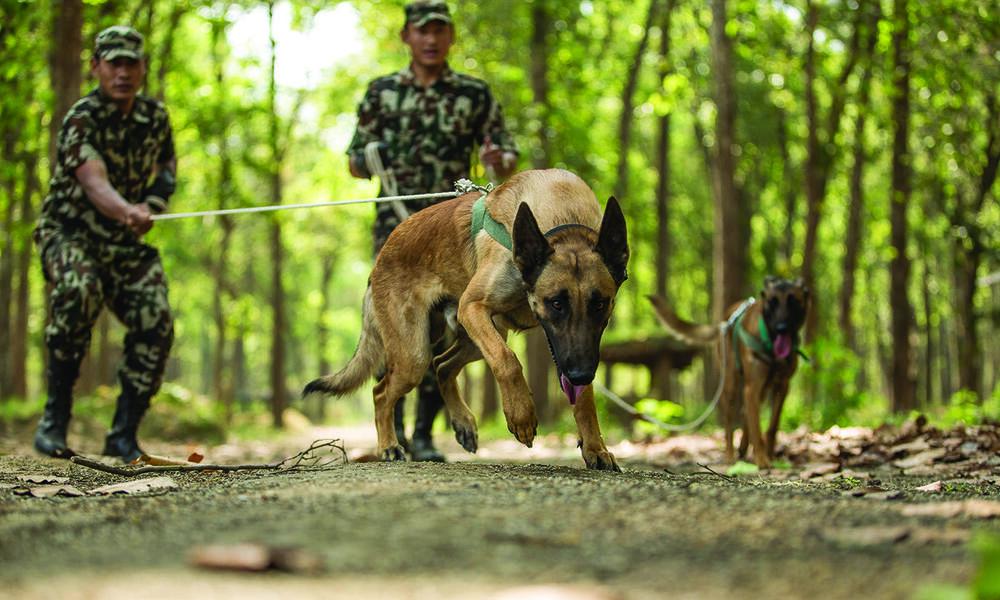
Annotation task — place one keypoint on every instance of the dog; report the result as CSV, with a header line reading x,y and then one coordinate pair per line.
x,y
757,366
562,272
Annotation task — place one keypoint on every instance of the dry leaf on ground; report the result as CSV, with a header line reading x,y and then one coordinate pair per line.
x,y
42,479
48,491
138,486
979,509
255,557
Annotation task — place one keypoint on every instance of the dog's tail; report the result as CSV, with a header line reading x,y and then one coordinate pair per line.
x,y
692,333
368,358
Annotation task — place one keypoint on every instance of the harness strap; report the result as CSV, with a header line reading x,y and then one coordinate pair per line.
x,y
481,219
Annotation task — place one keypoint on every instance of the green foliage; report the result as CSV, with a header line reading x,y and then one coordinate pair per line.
x,y
987,581
662,410
740,468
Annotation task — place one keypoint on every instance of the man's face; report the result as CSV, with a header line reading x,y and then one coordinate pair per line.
x,y
429,43
119,78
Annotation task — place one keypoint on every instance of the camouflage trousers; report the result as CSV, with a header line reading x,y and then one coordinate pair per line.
x,y
85,276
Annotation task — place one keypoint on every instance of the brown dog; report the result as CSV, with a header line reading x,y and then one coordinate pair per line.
x,y
766,338
564,279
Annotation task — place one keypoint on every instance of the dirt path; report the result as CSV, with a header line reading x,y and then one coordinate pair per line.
x,y
488,530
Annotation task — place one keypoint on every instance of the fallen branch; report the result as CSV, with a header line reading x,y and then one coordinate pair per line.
x,y
712,471
317,457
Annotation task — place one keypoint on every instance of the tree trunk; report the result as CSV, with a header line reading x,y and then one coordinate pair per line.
x,y
790,187
628,101
536,347
820,152
662,262
166,49
903,384
856,187
7,271
65,70
278,322
222,386
22,299
729,254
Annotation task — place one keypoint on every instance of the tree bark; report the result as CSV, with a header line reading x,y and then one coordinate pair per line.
x,y
278,321
903,377
856,187
820,152
64,65
969,256
628,102
536,348
22,299
222,386
662,262
729,253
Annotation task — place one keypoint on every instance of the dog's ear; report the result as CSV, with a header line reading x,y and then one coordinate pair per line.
x,y
531,249
612,241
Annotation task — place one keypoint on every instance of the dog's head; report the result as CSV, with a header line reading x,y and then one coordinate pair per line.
x,y
572,275
784,304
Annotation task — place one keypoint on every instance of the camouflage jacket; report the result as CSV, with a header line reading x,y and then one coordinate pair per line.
x,y
429,133
130,147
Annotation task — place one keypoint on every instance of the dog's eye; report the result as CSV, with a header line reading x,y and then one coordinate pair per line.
x,y
556,304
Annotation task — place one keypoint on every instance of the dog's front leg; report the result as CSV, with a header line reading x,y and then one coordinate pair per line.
x,y
595,453
777,402
753,390
518,406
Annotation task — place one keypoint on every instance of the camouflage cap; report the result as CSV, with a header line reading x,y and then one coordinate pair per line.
x,y
118,41
422,12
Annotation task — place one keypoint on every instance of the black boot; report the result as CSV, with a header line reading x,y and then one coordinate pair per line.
x,y
397,415
50,436
121,440
429,403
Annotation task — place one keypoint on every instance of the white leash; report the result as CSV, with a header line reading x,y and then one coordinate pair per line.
x,y
724,330
274,207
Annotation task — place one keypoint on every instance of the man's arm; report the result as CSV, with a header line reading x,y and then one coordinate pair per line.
x,y
498,152
367,131
93,178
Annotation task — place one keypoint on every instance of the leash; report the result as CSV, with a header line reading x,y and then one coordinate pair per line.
x,y
723,330
276,207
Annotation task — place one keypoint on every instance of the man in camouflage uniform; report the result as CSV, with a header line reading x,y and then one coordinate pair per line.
x,y
114,168
425,121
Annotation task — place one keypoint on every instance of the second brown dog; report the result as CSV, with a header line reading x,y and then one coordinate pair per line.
x,y
760,351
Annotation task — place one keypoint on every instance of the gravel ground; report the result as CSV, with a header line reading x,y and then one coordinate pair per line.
x,y
488,529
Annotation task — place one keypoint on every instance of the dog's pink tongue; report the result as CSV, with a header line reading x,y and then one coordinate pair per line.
x,y
572,391
783,346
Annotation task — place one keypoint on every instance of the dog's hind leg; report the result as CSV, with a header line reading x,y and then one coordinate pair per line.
x,y
595,453
387,392
447,366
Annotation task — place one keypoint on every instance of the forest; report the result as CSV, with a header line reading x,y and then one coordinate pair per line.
x,y
852,143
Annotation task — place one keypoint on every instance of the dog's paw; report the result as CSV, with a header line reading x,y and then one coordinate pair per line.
x,y
601,460
466,435
523,428
393,454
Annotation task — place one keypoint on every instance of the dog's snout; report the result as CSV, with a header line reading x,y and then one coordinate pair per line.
x,y
580,376
781,327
